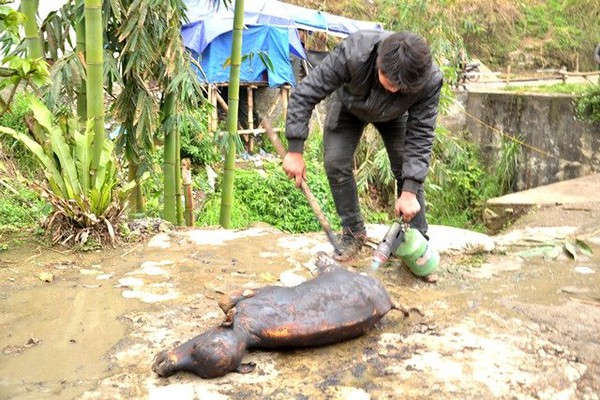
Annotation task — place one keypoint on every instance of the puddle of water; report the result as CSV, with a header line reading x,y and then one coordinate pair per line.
x,y
74,327
55,335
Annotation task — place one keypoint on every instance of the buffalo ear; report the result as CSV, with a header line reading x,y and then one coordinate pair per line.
x,y
245,368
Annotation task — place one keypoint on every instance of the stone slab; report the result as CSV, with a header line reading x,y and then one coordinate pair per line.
x,y
585,189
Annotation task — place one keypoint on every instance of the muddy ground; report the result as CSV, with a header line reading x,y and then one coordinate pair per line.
x,y
519,322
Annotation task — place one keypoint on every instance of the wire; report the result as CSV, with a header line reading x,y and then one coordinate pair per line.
x,y
514,139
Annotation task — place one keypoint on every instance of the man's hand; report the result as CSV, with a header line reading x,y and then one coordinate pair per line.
x,y
294,167
407,205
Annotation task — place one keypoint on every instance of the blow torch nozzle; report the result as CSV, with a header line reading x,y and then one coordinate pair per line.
x,y
388,245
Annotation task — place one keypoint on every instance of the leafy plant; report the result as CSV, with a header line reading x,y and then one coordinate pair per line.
x,y
197,144
18,153
587,106
10,21
269,196
209,215
83,209
20,207
29,71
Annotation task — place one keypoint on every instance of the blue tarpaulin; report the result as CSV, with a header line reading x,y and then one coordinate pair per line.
x,y
271,27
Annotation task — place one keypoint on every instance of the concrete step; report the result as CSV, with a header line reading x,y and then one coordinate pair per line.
x,y
501,211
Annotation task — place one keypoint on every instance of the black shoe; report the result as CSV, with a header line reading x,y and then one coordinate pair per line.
x,y
350,243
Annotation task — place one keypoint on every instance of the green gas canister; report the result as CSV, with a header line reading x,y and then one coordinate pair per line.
x,y
415,251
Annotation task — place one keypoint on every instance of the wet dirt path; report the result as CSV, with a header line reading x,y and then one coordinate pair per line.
x,y
494,325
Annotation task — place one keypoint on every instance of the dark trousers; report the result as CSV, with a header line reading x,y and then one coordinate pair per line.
x,y
342,133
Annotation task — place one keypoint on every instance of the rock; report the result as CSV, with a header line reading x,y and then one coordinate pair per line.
x,y
46,277
290,278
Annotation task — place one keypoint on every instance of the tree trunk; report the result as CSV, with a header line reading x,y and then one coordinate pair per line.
x,y
95,90
32,32
232,114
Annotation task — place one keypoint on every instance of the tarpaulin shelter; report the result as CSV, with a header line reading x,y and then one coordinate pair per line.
x,y
271,27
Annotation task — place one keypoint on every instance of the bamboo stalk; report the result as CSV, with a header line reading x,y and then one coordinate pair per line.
x,y
170,191
32,31
95,74
80,49
232,115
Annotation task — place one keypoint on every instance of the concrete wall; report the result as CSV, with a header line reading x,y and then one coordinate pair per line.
x,y
562,147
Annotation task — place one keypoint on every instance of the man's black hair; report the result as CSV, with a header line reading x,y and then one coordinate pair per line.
x,y
405,59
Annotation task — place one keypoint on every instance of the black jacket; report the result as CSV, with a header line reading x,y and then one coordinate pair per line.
x,y
351,70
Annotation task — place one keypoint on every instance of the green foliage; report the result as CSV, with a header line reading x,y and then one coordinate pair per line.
x,y
64,154
568,88
459,183
20,207
210,214
455,184
10,21
270,196
505,173
197,143
587,106
153,186
547,33
374,178
560,27
15,119
34,71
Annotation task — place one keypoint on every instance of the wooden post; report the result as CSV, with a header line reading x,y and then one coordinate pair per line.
x,y
285,95
273,107
508,74
214,117
251,117
188,195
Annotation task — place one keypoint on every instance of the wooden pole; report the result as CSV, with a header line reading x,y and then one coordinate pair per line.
x,y
188,195
214,120
251,117
285,95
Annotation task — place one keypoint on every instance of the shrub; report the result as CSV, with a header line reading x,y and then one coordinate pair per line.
x,y
587,106
15,119
268,195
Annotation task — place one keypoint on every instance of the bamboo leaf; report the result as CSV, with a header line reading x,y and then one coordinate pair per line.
x,y
571,250
111,230
583,247
535,252
553,253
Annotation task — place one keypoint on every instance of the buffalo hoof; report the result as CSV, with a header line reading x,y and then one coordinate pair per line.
x,y
162,365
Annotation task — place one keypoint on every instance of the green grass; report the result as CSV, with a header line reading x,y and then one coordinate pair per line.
x,y
20,207
560,88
